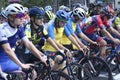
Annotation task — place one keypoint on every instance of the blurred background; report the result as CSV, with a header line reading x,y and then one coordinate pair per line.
x,y
56,3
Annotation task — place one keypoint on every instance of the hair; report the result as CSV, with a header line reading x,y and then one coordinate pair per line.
x,y
56,24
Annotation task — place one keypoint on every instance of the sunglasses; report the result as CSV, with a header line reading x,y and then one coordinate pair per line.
x,y
21,15
39,17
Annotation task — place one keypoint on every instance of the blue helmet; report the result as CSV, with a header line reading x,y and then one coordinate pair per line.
x,y
36,11
62,15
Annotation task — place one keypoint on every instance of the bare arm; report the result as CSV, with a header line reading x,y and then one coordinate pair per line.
x,y
118,27
114,31
59,45
106,33
78,40
72,39
83,36
53,44
33,49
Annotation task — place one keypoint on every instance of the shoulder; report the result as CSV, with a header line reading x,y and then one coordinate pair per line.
x,y
4,26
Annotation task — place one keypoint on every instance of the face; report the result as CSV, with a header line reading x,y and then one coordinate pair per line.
x,y
62,23
17,19
76,18
39,21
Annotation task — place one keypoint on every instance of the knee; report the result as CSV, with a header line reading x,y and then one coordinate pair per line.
x,y
103,42
58,59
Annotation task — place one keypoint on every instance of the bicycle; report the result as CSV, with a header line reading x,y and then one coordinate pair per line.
x,y
96,66
113,55
46,73
76,71
17,75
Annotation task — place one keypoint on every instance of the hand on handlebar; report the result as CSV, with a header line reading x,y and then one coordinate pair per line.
x,y
44,59
26,66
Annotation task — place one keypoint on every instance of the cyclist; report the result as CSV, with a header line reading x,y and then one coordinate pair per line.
x,y
98,8
48,16
26,18
98,21
91,8
55,31
9,33
115,21
3,17
78,15
48,13
36,31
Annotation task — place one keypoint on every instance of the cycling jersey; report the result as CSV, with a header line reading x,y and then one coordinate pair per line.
x,y
94,22
37,36
90,24
28,31
9,35
55,33
73,28
115,21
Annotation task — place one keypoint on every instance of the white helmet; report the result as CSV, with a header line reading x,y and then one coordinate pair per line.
x,y
26,9
79,12
3,13
14,8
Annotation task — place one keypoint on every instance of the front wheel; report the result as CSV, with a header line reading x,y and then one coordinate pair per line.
x,y
77,72
55,75
97,67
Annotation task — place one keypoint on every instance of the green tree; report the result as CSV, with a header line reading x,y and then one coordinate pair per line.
x,y
42,3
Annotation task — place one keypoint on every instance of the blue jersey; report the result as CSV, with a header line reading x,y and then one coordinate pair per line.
x,y
73,27
9,35
51,29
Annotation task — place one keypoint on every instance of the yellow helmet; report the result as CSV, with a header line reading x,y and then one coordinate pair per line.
x,y
49,15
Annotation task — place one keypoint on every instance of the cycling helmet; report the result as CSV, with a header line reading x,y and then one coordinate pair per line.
x,y
14,8
65,8
108,12
26,9
49,15
36,11
76,5
3,14
99,5
48,8
62,15
79,12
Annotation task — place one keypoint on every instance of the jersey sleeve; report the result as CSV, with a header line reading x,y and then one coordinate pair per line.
x,y
51,31
69,26
21,32
3,36
78,30
99,22
66,31
45,33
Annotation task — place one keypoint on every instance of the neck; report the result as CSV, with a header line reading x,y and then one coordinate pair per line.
x,y
12,25
35,26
